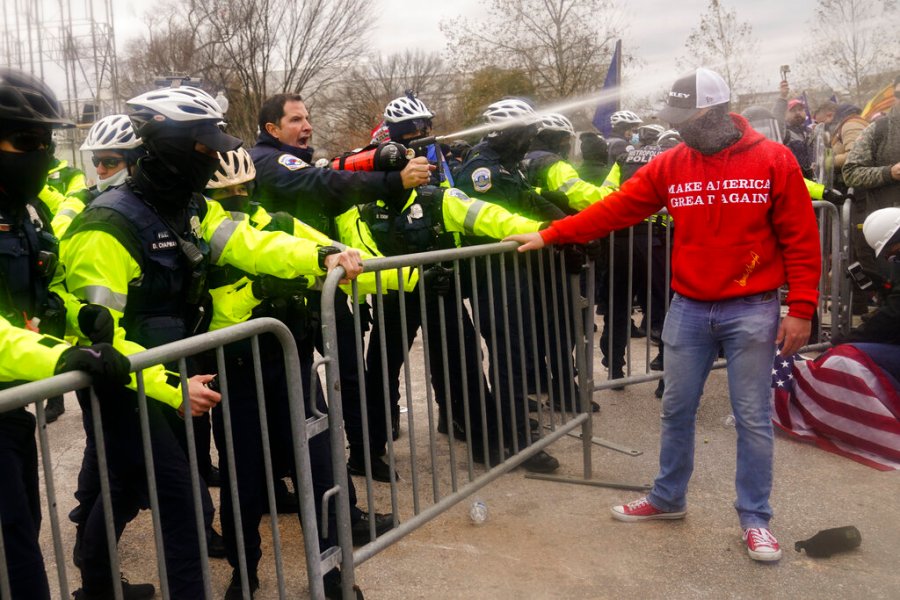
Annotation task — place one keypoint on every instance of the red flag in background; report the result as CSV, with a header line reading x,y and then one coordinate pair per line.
x,y
842,402
880,103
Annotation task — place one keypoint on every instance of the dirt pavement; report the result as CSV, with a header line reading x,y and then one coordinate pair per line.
x,y
553,540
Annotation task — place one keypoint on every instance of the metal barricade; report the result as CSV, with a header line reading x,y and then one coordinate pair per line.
x,y
522,320
305,423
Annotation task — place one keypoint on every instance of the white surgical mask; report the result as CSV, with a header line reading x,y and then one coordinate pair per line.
x,y
113,181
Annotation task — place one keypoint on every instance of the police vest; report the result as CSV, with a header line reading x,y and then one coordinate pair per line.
x,y
28,258
166,303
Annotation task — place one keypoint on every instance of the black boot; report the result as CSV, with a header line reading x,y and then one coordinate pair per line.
x,y
233,592
55,407
130,591
332,581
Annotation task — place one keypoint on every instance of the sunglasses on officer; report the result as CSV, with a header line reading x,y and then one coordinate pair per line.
x,y
108,162
29,140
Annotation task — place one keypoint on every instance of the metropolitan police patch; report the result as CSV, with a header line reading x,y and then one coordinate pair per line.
x,y
481,179
291,163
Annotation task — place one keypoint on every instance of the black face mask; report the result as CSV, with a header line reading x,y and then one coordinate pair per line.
x,y
22,176
236,203
710,133
173,171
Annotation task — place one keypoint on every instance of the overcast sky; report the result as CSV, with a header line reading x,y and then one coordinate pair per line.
x,y
656,29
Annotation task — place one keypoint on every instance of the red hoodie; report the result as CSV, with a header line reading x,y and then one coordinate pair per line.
x,y
743,219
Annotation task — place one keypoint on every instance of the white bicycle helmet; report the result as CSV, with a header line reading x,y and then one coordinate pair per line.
x,y
669,138
556,122
625,117
882,228
509,111
180,104
235,167
111,133
406,108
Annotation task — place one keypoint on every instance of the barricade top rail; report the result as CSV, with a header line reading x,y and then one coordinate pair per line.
x,y
34,391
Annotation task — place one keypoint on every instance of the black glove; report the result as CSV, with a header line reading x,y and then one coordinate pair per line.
x,y
574,258
96,323
833,195
559,200
438,280
596,250
101,361
266,286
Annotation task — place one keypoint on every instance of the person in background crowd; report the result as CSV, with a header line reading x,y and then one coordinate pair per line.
x,y
737,196
624,136
873,171
845,128
879,336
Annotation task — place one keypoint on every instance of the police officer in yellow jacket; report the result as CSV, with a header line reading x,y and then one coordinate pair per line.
x,y
142,250
238,296
547,169
27,267
433,218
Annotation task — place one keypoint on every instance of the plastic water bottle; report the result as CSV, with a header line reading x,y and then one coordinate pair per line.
x,y
478,512
728,421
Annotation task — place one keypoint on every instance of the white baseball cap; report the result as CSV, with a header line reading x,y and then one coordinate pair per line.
x,y
700,89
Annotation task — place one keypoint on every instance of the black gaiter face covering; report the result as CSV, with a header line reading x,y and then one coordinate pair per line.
x,y
22,176
710,133
173,171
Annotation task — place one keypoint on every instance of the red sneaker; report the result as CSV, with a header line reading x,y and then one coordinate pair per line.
x,y
642,510
761,544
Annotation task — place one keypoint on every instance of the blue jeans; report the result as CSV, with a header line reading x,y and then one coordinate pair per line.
x,y
745,328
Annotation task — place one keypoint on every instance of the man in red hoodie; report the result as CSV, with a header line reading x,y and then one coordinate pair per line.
x,y
745,227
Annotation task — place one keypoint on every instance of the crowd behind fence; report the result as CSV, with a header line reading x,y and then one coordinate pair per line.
x,y
526,322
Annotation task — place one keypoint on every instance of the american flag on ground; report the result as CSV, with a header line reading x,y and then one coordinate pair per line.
x,y
842,402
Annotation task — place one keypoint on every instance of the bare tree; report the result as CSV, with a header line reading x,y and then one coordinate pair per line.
x,y
724,44
353,106
255,48
850,42
171,46
563,46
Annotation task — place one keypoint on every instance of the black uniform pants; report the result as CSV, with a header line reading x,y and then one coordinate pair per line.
x,y
248,450
462,373
617,313
499,322
20,509
129,493
554,330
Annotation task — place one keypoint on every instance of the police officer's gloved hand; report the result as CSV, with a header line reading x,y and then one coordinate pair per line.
x,y
101,361
96,323
438,280
266,287
833,195
596,249
558,199
574,258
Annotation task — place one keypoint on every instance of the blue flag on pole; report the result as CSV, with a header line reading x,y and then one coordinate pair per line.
x,y
608,106
809,120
